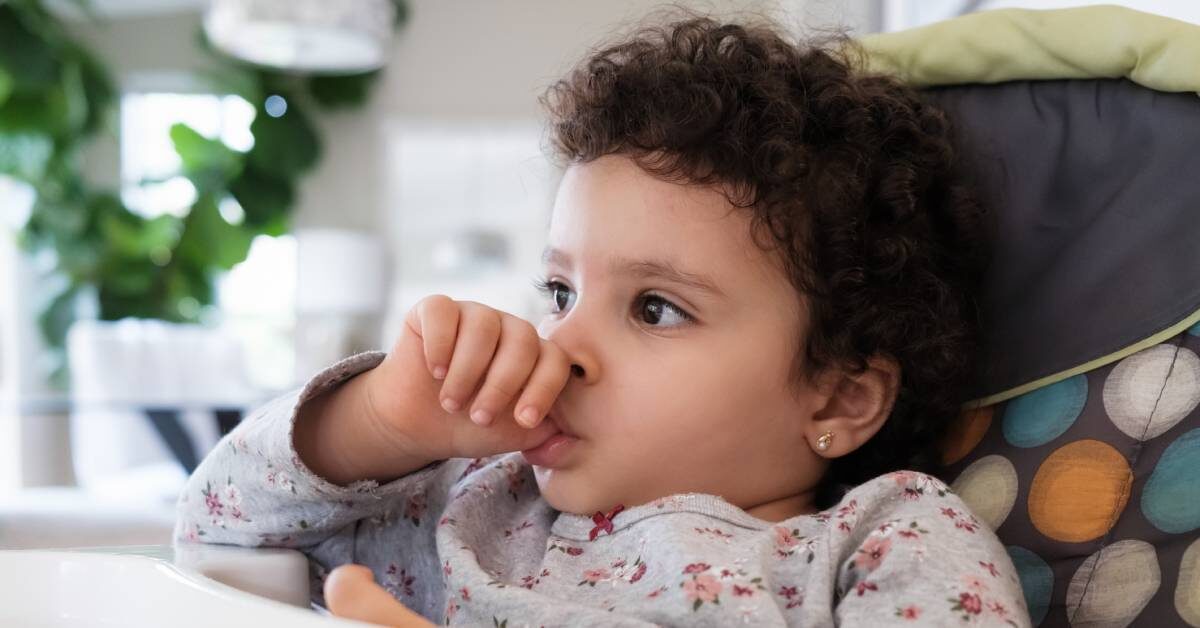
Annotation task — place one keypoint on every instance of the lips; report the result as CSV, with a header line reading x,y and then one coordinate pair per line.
x,y
555,417
555,451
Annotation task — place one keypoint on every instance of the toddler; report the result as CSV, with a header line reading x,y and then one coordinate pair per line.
x,y
760,284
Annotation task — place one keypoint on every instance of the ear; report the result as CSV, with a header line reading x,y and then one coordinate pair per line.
x,y
854,406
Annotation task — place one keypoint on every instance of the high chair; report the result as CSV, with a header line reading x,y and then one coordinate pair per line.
x,y
1081,445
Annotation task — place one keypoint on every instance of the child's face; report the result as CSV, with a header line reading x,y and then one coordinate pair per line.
x,y
666,404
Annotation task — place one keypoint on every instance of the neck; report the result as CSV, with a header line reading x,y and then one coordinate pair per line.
x,y
785,507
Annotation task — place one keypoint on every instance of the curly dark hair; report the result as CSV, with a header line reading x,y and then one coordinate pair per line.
x,y
852,179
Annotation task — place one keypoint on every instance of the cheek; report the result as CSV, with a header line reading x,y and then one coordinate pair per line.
x,y
708,406
678,408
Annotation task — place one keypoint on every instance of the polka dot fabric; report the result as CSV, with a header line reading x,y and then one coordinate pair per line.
x,y
1093,485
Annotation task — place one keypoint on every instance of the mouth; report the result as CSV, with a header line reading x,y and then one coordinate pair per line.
x,y
555,451
555,417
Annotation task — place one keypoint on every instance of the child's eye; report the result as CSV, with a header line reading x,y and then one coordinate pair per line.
x,y
653,310
561,297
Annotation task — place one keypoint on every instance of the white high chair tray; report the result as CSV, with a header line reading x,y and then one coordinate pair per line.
x,y
154,586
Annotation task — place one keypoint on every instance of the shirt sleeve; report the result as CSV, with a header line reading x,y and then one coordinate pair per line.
x,y
921,558
253,490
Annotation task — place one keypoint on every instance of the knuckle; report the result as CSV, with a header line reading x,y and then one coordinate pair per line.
x,y
433,302
522,349
487,328
499,391
528,336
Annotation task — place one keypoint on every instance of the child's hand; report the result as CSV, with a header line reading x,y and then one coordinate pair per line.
x,y
465,380
351,592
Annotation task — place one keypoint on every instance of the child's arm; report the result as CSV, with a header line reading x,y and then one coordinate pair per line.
x,y
360,439
255,489
927,561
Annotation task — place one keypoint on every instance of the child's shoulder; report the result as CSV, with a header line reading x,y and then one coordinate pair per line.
x,y
909,491
906,483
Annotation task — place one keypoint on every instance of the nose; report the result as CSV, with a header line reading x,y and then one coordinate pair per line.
x,y
572,334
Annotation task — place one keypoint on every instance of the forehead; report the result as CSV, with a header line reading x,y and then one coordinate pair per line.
x,y
611,208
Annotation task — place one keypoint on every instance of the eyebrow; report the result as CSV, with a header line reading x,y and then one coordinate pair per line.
x,y
646,269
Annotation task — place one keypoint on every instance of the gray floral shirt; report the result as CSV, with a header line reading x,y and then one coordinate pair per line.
x,y
472,542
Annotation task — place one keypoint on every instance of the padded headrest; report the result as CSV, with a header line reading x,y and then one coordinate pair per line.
x,y
1096,184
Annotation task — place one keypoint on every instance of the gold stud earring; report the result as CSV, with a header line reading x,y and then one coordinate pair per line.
x,y
824,440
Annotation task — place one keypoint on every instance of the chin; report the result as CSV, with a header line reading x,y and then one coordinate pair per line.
x,y
561,490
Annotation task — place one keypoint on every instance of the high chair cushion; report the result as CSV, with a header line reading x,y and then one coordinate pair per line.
x,y
1082,446
1091,484
1082,442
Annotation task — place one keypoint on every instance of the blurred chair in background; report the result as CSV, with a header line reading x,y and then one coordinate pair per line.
x,y
149,399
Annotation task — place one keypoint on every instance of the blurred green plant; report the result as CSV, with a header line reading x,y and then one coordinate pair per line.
x,y
55,96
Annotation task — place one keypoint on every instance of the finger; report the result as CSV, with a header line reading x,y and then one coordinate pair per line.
x,y
478,333
549,377
351,592
437,318
343,585
516,354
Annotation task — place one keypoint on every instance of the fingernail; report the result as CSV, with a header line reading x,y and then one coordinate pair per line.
x,y
450,405
481,417
439,372
528,416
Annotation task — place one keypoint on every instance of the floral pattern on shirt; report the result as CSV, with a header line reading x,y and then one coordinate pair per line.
x,y
414,508
619,570
704,585
515,478
569,550
789,542
224,504
975,599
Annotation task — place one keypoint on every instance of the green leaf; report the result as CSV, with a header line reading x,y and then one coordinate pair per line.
x,y
263,197
187,282
349,90
401,13
133,236
208,240
24,155
75,101
277,226
80,258
160,232
57,315
31,60
64,221
98,91
59,378
209,163
285,146
130,277
6,85
48,113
